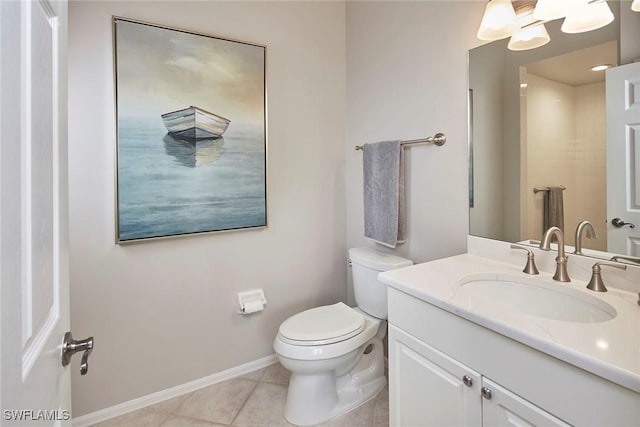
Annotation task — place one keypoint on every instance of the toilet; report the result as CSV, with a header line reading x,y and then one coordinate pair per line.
x,y
335,352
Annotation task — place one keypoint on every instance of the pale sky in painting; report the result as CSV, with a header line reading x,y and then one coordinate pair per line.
x,y
161,70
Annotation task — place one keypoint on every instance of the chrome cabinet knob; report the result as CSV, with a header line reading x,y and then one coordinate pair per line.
x,y
71,346
467,380
619,223
486,393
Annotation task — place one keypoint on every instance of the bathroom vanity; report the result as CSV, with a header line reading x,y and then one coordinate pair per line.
x,y
475,341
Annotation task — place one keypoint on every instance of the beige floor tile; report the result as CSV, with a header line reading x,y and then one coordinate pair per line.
x,y
178,421
265,407
168,406
276,374
253,376
359,417
247,403
218,403
381,411
140,418
384,393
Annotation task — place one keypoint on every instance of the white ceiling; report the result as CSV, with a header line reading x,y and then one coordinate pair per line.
x,y
573,68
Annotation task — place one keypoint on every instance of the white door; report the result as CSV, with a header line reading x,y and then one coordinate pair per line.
x,y
501,408
34,311
428,388
623,159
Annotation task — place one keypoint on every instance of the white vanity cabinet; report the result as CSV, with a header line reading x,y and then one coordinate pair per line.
x,y
429,388
440,362
502,408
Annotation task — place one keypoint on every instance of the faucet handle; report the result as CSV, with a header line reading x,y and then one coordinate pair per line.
x,y
596,283
530,268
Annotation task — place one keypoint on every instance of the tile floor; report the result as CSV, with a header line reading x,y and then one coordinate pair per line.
x,y
255,399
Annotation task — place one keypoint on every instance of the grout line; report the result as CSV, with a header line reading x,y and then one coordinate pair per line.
x,y
187,396
245,401
191,418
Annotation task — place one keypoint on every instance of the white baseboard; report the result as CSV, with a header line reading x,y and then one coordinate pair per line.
x,y
170,393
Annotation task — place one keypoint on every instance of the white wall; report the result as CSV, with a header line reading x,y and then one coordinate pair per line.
x,y
164,313
486,77
629,33
407,78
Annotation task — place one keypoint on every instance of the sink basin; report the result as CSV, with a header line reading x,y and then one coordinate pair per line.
x,y
549,301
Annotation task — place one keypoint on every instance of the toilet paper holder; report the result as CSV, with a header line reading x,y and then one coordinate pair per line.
x,y
251,301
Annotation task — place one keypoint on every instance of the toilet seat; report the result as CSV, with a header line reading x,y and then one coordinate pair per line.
x,y
322,325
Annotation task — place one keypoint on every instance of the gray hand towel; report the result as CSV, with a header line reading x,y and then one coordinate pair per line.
x,y
553,209
384,208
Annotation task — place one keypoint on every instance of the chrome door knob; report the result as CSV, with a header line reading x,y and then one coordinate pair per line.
x,y
619,223
71,346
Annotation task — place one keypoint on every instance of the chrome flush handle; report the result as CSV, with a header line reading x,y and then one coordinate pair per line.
x,y
71,346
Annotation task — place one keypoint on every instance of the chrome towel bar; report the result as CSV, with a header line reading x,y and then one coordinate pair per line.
x,y
539,189
438,139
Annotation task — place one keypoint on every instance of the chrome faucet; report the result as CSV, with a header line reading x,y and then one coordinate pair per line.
x,y
561,274
596,283
587,227
530,268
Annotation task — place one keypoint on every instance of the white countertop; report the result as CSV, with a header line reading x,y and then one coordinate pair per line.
x,y
609,349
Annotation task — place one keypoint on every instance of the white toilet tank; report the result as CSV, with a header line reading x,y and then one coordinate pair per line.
x,y
369,293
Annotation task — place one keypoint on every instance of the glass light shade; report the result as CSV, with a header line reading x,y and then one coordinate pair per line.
x,y
586,17
499,21
635,6
529,38
548,10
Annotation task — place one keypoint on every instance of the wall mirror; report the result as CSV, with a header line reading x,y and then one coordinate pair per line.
x,y
537,118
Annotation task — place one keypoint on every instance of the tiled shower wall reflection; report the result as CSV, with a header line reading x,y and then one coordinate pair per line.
x,y
566,145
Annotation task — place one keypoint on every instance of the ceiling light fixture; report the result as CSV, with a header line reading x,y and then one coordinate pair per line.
x,y
525,24
635,6
548,10
499,21
529,38
585,16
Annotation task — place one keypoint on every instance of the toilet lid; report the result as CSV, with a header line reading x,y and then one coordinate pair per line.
x,y
322,325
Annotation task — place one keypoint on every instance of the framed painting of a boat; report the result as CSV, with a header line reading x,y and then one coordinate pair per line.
x,y
191,135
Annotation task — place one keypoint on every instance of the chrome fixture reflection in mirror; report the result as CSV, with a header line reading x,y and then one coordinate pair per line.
x,y
524,21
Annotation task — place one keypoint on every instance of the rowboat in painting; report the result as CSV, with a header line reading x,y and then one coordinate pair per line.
x,y
195,124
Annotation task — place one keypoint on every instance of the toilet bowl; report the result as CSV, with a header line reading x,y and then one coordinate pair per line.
x,y
335,352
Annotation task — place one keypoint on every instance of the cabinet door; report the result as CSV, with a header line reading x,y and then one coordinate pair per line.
x,y
428,388
502,408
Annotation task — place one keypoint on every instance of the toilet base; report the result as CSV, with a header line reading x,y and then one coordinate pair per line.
x,y
318,397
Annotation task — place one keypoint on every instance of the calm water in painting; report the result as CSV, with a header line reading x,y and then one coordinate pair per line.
x,y
169,187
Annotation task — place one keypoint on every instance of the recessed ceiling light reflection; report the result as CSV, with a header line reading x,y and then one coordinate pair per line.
x,y
600,67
